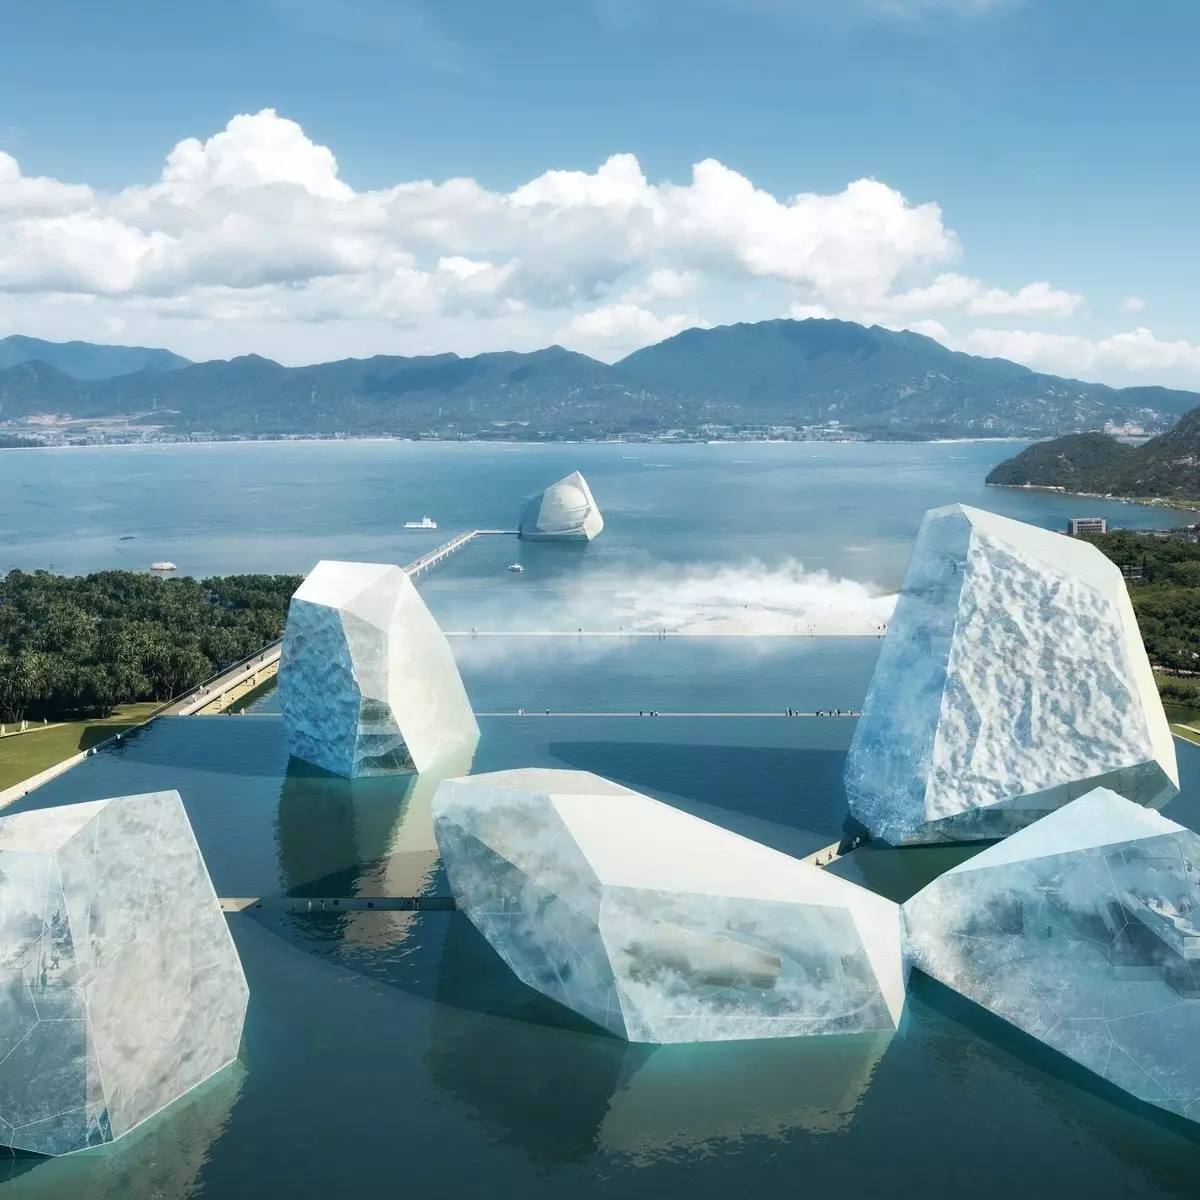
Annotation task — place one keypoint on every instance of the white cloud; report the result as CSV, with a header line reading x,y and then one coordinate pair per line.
x,y
1132,304
617,329
1031,300
251,240
959,291
1134,356
663,283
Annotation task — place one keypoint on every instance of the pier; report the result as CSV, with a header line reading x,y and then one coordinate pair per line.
x,y
336,904
444,551
223,690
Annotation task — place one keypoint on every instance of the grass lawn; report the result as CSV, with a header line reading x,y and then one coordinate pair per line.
x,y
1185,722
26,754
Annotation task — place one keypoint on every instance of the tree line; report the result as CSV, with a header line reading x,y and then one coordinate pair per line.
x,y
1166,601
74,646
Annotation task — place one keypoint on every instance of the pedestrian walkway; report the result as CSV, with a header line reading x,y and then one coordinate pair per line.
x,y
15,730
650,714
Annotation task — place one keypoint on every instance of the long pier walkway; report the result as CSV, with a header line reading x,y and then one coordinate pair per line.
x,y
220,692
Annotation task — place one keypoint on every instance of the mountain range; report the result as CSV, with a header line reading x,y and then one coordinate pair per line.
x,y
875,381
1166,467
85,360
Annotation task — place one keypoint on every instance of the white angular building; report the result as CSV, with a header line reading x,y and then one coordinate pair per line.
x,y
566,511
367,680
120,986
1012,680
1083,930
659,926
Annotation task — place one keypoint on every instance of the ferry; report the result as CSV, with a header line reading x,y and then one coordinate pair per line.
x,y
423,523
516,567
163,566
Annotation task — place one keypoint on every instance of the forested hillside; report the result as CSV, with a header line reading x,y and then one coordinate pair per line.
x,y
1166,467
75,646
1167,604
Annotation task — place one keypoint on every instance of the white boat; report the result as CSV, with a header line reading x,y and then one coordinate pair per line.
x,y
516,567
163,566
423,523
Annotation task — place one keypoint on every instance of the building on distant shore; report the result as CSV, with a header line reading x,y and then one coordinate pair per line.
x,y
1080,525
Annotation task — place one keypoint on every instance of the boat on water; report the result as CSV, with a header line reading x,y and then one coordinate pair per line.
x,y
163,566
423,523
516,567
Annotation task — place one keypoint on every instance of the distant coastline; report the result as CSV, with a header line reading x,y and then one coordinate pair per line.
x,y
1192,506
849,437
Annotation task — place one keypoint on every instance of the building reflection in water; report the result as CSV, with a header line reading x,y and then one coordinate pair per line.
x,y
542,1078
162,1157
361,837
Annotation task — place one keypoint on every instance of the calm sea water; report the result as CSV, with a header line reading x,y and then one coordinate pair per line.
x,y
392,1051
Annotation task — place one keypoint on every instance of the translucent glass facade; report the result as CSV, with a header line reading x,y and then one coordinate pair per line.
x,y
659,926
367,681
1083,930
120,987
1011,681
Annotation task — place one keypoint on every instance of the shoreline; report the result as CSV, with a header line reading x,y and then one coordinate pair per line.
x,y
1189,506
610,441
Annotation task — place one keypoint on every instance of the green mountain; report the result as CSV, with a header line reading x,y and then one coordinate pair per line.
x,y
83,360
1167,466
781,373
871,377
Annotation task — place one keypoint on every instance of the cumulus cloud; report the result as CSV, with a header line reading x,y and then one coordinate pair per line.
x,y
1132,304
624,327
251,239
1033,298
950,291
1136,354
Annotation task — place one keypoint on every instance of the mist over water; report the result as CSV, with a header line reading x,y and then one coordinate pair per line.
x,y
702,599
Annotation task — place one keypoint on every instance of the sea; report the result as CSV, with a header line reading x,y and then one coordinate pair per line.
x,y
391,1053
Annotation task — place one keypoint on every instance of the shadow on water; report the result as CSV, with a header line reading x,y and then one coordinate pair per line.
x,y
900,873
797,787
164,1157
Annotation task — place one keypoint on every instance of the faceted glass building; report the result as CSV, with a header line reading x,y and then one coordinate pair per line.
x,y
1012,680
120,986
1083,930
367,681
659,926
564,512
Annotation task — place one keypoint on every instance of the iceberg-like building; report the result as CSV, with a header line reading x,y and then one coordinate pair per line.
x,y
1083,930
367,681
564,512
659,926
120,986
1012,680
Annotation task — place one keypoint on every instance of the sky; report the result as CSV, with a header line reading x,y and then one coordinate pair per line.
x,y
318,179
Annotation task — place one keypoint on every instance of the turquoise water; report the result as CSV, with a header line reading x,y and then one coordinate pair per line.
x,y
391,1052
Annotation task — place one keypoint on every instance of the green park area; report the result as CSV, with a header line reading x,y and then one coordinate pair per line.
x,y
1164,574
25,754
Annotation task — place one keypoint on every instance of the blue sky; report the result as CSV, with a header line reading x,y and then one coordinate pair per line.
x,y
1054,140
